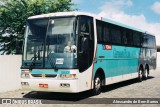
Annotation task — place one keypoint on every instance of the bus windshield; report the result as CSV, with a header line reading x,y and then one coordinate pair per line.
x,y
50,43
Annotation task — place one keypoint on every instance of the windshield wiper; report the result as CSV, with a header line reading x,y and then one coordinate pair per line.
x,y
30,67
34,58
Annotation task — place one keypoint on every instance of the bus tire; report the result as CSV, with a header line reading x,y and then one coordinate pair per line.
x,y
145,74
97,85
140,74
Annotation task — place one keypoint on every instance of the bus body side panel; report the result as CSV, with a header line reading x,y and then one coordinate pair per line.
x,y
119,63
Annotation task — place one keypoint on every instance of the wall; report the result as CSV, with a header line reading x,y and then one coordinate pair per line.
x,y
10,72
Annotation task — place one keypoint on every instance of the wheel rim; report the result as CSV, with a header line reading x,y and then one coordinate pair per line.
x,y
140,74
97,84
146,73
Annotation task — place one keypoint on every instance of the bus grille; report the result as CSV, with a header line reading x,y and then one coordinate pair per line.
x,y
46,75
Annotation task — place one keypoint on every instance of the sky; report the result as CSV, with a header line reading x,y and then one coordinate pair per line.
x,y
142,14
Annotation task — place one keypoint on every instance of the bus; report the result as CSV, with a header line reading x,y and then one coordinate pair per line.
x,y
72,52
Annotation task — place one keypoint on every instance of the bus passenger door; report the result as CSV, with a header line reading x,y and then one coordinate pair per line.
x,y
85,42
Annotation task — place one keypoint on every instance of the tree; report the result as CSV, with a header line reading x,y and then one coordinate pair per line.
x,y
13,15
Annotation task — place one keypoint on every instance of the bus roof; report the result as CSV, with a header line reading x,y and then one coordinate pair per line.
x,y
64,14
75,13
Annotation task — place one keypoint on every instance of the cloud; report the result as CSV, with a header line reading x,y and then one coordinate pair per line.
x,y
156,7
113,10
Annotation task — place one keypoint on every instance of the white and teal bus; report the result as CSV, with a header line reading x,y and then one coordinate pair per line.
x,y
73,52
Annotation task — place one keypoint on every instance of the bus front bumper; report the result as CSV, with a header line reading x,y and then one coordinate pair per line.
x,y
51,85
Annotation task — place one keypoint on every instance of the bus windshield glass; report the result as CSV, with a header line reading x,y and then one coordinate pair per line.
x,y
50,43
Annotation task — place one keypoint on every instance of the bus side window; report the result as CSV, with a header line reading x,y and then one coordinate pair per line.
x,y
151,42
86,43
106,33
99,31
124,38
116,35
84,27
136,39
129,37
145,40
154,42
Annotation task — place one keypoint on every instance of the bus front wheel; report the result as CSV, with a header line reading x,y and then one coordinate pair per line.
x,y
97,85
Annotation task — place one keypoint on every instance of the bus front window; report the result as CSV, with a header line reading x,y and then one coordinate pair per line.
x,y
52,42
61,46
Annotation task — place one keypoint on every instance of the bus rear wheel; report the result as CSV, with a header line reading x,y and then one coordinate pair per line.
x,y
97,85
140,75
145,74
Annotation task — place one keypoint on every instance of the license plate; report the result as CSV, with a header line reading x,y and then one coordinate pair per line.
x,y
43,85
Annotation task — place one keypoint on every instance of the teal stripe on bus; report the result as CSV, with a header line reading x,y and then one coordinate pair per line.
x,y
46,71
117,61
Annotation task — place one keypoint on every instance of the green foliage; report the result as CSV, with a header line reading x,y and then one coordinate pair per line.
x,y
13,15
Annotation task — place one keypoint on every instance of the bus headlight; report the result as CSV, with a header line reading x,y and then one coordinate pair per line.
x,y
67,76
25,74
